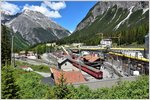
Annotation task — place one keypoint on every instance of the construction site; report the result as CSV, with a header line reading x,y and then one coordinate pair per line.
x,y
97,66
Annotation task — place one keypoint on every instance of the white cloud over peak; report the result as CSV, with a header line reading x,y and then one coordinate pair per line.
x,y
44,10
9,8
55,5
48,8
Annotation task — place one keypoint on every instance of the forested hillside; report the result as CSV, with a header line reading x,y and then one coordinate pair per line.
x,y
132,23
19,42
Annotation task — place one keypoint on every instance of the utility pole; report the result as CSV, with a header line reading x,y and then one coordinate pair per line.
x,y
12,51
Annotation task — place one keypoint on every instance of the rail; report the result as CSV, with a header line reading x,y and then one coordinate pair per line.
x,y
99,48
132,57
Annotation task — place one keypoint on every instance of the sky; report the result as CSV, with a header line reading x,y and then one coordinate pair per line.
x,y
68,14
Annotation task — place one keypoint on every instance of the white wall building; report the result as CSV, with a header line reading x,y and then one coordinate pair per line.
x,y
106,42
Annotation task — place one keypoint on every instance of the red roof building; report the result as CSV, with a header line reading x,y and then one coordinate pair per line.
x,y
91,58
70,76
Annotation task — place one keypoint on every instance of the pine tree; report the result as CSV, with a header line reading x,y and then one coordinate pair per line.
x,y
9,88
6,47
61,89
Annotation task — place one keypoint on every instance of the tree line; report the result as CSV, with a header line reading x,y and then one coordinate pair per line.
x,y
90,37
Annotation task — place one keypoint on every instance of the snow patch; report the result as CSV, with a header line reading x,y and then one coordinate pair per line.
x,y
25,13
144,10
140,20
103,15
113,16
8,24
39,18
118,18
14,29
40,25
125,18
56,34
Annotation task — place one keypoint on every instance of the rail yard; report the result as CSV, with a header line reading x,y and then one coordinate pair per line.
x,y
95,66
100,64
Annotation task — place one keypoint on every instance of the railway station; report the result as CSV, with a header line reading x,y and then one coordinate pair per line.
x,y
95,63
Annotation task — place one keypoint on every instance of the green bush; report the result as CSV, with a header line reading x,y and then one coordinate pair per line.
x,y
31,86
10,90
17,83
125,90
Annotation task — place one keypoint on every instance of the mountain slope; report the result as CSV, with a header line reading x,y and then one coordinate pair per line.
x,y
19,42
128,18
35,28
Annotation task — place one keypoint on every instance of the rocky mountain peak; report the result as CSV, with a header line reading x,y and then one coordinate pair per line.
x,y
103,6
35,27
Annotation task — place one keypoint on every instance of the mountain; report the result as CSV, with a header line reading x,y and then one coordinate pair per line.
x,y
19,42
34,27
112,18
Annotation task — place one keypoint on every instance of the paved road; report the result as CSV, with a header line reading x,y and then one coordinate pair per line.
x,y
30,61
46,78
48,81
105,83
43,74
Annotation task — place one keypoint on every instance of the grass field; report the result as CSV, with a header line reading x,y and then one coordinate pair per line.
x,y
40,68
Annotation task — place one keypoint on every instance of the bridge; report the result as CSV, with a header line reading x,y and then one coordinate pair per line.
x,y
97,48
131,62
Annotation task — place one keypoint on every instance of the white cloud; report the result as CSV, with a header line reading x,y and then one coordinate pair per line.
x,y
44,10
9,8
71,31
49,9
55,5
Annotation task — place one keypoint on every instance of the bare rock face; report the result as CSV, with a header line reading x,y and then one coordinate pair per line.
x,y
35,27
101,7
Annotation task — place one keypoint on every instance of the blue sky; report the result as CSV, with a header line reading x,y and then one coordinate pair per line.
x,y
74,13
67,14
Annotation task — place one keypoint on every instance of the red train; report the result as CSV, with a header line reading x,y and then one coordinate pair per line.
x,y
92,71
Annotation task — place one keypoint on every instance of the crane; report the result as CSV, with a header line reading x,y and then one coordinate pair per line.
x,y
118,37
